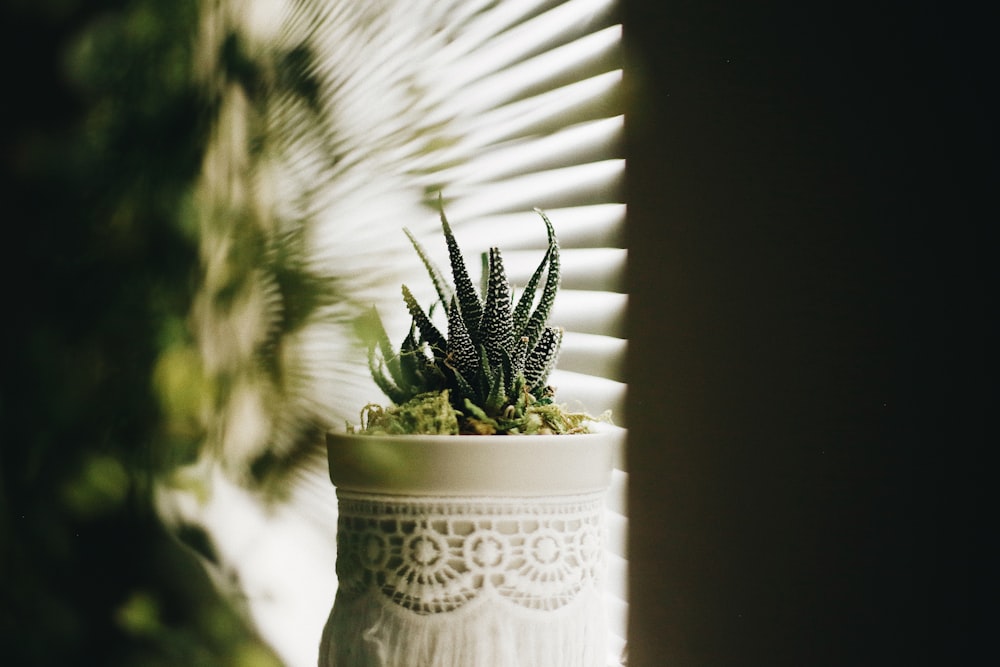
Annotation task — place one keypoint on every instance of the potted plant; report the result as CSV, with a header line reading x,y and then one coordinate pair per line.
x,y
470,527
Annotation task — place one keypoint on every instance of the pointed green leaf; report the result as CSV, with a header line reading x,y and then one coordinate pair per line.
x,y
461,350
465,390
536,323
468,300
522,396
412,364
388,387
372,330
520,355
484,272
542,358
506,365
475,411
527,298
496,331
497,397
486,374
428,331
440,284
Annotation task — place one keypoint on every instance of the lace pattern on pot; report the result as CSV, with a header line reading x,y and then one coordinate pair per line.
x,y
435,555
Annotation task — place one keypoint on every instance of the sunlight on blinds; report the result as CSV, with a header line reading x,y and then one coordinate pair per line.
x,y
340,127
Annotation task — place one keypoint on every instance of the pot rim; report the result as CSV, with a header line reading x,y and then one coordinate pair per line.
x,y
473,465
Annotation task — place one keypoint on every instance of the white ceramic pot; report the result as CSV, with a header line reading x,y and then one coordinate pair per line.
x,y
460,551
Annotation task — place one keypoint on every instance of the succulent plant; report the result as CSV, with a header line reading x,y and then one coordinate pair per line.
x,y
491,363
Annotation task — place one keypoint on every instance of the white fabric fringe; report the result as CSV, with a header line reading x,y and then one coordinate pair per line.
x,y
371,631
468,582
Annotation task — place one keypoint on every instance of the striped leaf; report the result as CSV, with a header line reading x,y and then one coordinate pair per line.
x,y
536,323
542,359
428,332
440,285
461,350
468,300
496,330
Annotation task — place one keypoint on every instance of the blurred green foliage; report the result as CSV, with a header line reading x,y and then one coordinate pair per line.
x,y
102,137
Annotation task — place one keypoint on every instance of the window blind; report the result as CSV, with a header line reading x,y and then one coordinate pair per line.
x,y
358,116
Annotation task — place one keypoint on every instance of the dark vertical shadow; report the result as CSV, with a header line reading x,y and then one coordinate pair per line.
x,y
807,344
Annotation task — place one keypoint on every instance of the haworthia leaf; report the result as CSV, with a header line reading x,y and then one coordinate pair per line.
x,y
388,387
486,374
498,393
522,395
524,303
461,350
468,300
542,358
428,331
484,271
520,354
536,322
440,284
475,411
377,337
506,365
412,370
496,331
466,392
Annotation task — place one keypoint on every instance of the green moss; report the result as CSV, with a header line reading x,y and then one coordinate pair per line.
x,y
432,413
